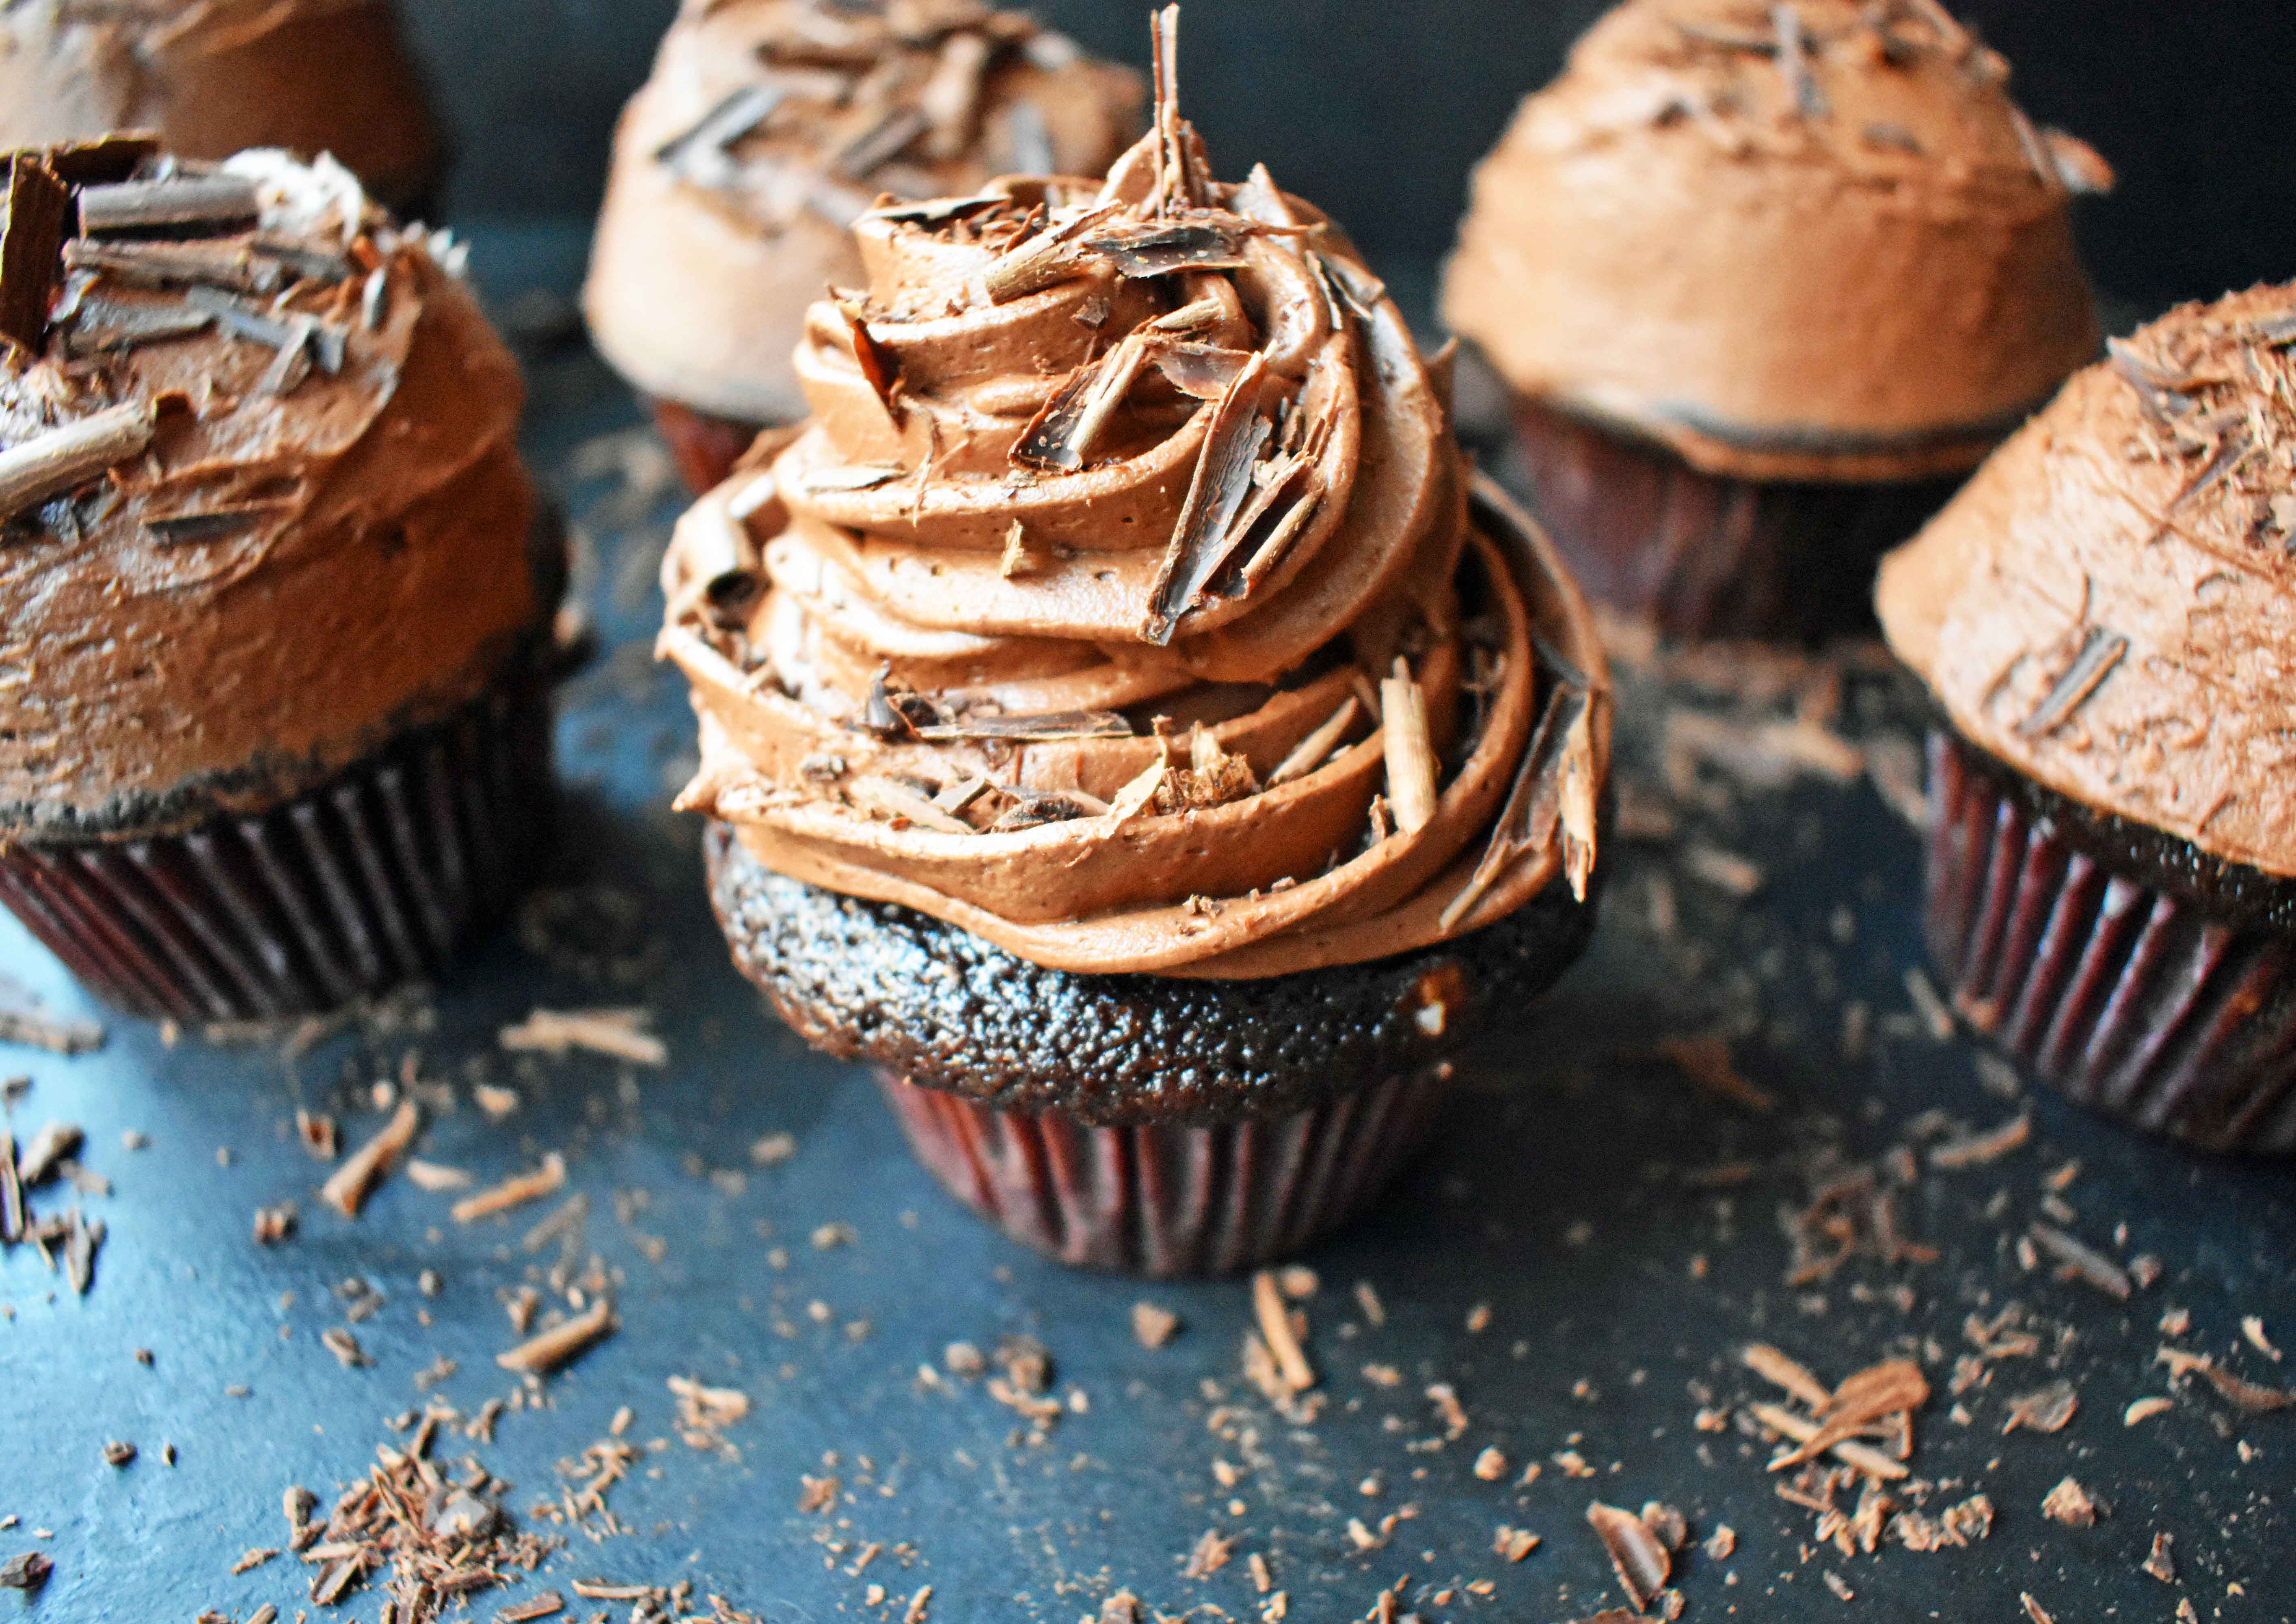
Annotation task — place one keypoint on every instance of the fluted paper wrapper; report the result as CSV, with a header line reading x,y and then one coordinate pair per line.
x,y
2130,999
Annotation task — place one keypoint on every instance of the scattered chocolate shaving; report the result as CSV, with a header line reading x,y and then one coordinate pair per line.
x,y
1706,1061
217,524
100,324
879,365
27,1570
2160,1563
542,1354
1411,766
1044,724
2046,1409
1801,1429
2162,394
1309,754
1641,1561
232,266
35,471
1977,1150
942,211
514,1191
2078,1260
12,1215
197,202
618,1033
1159,248
347,1190
1276,1328
2034,1610
879,144
2245,1395
865,476
1781,1370
30,246
699,154
2100,653
2072,1505
46,1152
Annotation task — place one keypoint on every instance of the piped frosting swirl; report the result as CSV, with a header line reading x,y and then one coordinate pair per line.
x,y
1120,601
1810,241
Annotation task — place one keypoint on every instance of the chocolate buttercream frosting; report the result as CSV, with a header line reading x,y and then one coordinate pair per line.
x,y
1814,240
213,77
769,127
1121,600
2107,606
263,507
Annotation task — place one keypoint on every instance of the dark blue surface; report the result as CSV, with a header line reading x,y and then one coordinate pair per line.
x,y
1560,1200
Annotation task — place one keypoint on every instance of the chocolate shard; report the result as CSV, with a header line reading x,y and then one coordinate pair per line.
x,y
1159,248
30,247
64,459
2100,651
214,525
700,154
1046,442
230,265
1201,540
1204,371
202,205
940,211
1044,724
879,365
101,324
104,161
879,144
327,344
304,263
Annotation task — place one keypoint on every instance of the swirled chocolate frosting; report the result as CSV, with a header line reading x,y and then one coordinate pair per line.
x,y
1120,601
1810,241
769,127
2110,605
262,501
213,77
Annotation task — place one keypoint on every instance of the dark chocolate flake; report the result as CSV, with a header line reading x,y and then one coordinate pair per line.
x,y
1204,537
1046,725
202,205
214,525
699,154
1151,248
107,325
2100,651
879,144
30,247
231,265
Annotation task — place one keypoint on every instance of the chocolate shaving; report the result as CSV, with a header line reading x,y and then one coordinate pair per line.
x,y
30,246
880,145
65,458
860,476
879,365
305,264
1309,754
1028,141
1205,534
2078,1260
166,264
1151,248
1046,725
214,525
2046,1410
1411,764
2247,1395
542,1354
1534,804
1204,371
12,1193
1044,259
2162,394
328,345
1793,40
1061,435
348,1188
101,324
699,154
21,1025
82,1236
102,161
194,201
2100,653
1641,1563
2281,330
940,211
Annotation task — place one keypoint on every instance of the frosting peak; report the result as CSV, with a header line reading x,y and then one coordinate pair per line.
x,y
1810,240
2108,604
1120,601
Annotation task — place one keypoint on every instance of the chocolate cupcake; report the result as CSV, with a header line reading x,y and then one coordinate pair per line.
x,y
2104,618
1124,723
272,587
767,128
212,78
1767,281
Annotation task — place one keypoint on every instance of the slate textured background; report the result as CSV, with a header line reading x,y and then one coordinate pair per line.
x,y
1378,110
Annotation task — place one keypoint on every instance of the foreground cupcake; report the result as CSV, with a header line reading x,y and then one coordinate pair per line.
x,y
2104,617
766,130
1123,723
212,78
272,729
1767,281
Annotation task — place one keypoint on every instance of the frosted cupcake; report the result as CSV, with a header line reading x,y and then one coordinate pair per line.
x,y
767,128
1767,281
1123,720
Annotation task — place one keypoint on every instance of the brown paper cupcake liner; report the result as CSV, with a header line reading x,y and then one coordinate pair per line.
x,y
358,885
2129,997
1165,1199
1702,556
705,448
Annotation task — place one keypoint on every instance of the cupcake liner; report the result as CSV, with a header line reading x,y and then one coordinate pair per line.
x,y
2129,996
1703,556
705,448
1168,1200
362,882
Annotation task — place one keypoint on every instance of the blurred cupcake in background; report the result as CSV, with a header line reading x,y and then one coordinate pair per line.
x,y
767,128
212,78
275,593
2104,618
1765,283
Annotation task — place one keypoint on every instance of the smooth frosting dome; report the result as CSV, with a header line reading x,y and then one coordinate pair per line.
x,y
217,76
1121,601
1805,241
769,127
2110,605
304,525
